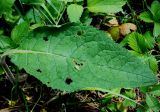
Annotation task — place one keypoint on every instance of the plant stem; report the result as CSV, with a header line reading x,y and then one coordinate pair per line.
x,y
5,67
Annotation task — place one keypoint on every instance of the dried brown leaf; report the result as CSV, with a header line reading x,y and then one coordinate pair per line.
x,y
127,28
112,22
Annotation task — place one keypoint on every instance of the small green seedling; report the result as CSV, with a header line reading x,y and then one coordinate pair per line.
x,y
153,16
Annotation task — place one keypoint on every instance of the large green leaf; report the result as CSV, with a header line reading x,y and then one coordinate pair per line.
x,y
105,6
6,6
77,57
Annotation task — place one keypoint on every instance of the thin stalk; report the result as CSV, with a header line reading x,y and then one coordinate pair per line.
x,y
5,67
60,16
24,98
52,5
34,15
45,16
37,101
48,12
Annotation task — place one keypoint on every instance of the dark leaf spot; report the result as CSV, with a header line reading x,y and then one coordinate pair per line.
x,y
48,82
38,70
68,81
79,64
45,38
79,33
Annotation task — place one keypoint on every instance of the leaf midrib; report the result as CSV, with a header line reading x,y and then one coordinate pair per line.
x,y
15,51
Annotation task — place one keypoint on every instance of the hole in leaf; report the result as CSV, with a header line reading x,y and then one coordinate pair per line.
x,y
39,70
77,65
79,33
45,38
48,82
68,81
